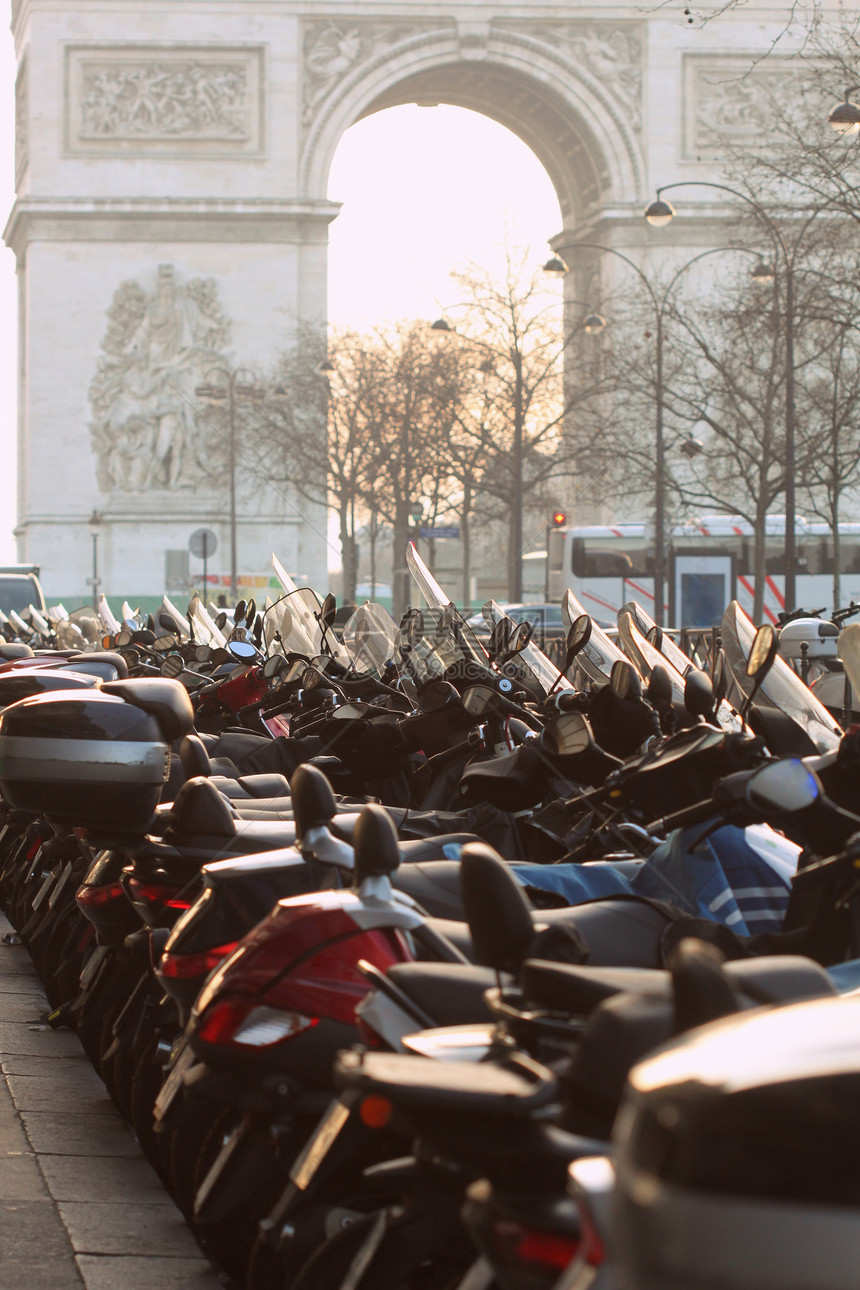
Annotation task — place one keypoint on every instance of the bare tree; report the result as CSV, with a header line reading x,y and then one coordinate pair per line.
x,y
512,436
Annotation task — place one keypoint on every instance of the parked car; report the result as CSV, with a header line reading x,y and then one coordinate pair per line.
x,y
545,619
20,587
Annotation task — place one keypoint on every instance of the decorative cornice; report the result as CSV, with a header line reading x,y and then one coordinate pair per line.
x,y
142,219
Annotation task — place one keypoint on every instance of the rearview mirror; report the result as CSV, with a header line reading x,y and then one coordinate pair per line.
x,y
328,609
625,680
698,694
579,635
519,638
762,652
173,665
659,688
274,666
242,651
569,734
721,677
786,785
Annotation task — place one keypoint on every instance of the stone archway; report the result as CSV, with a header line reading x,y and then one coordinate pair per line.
x,y
542,82
188,147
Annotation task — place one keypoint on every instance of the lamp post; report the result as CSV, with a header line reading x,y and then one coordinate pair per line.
x,y
95,526
238,383
659,303
659,213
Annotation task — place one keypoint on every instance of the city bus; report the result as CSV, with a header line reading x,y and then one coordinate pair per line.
x,y
709,562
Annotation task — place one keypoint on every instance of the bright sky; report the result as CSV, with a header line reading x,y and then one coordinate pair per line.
x,y
424,191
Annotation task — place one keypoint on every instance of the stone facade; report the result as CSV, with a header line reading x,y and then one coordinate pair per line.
x,y
172,215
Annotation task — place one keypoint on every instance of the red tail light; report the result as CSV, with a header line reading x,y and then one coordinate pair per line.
x,y
184,967
96,896
238,1022
153,894
532,1245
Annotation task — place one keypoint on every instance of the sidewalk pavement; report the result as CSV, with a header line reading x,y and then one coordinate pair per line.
x,y
80,1206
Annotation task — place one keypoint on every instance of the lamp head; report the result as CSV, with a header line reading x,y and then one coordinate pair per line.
x,y
555,266
764,273
594,324
659,212
845,117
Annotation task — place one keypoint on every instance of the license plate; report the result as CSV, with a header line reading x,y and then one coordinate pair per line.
x,y
173,1083
92,965
58,889
317,1149
43,890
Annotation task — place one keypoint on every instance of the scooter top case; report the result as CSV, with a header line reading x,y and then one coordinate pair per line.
x,y
15,686
92,758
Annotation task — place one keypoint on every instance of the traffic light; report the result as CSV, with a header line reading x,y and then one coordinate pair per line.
x,y
558,518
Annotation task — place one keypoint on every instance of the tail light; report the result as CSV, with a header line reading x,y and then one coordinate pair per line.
x,y
237,1022
519,1243
184,967
94,897
151,893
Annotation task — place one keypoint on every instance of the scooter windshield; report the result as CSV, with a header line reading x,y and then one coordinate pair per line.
x,y
780,688
450,623
542,671
371,637
645,657
598,655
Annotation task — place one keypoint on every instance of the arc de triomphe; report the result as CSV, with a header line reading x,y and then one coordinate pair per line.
x,y
172,214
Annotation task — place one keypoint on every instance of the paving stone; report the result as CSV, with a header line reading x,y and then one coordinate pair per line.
x,y
20,1179
38,1041
67,1133
101,1227
98,1178
29,1008
36,1251
82,1090
43,1063
106,1273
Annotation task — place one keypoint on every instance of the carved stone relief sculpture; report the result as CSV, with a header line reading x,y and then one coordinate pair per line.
x,y
611,53
726,102
332,50
124,98
159,345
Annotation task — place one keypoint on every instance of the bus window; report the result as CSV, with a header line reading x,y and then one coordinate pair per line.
x,y
598,562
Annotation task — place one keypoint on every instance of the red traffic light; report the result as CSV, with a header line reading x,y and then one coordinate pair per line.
x,y
558,519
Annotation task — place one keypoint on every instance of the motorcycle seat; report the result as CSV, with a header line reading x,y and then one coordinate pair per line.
x,y
165,699
512,783
578,989
435,885
265,786
451,993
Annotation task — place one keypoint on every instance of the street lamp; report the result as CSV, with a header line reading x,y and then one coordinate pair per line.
x,y
845,117
95,526
691,447
240,383
660,213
